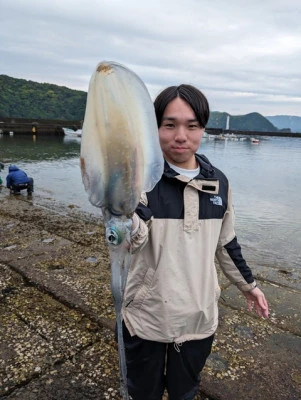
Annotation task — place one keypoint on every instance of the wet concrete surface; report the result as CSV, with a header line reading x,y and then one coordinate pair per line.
x,y
57,316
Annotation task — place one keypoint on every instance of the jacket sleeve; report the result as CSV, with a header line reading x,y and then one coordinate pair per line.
x,y
143,217
229,255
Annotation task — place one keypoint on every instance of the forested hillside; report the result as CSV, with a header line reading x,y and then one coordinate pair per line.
x,y
249,122
20,98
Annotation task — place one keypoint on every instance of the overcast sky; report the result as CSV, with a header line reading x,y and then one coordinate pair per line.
x,y
245,55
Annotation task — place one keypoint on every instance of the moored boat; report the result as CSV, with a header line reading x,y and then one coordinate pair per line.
x,y
72,133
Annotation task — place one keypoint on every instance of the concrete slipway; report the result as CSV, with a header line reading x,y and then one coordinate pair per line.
x,y
57,316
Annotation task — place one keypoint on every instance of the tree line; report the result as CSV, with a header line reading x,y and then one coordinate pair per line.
x,y
20,98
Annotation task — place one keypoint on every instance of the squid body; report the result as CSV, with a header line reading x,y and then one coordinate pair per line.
x,y
120,158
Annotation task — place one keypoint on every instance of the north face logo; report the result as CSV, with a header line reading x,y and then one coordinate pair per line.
x,y
216,200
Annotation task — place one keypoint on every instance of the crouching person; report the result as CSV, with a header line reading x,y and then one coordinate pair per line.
x,y
18,180
1,168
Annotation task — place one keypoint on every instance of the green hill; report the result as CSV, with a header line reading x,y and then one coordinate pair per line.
x,y
249,122
20,98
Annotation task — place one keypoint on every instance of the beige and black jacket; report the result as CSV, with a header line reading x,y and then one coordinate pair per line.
x,y
172,288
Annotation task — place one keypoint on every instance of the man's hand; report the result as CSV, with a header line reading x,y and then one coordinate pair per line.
x,y
135,225
257,298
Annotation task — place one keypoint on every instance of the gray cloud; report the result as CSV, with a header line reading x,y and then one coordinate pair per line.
x,y
245,57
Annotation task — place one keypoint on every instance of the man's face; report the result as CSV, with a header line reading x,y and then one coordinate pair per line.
x,y
180,134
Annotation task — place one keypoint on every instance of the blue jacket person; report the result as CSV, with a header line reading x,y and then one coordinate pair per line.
x,y
18,180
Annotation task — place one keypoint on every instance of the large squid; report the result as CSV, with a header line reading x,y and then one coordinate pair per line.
x,y
120,158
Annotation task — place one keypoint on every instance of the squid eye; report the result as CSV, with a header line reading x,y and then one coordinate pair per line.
x,y
113,237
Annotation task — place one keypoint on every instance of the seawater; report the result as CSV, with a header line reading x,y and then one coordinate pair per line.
x,y
265,180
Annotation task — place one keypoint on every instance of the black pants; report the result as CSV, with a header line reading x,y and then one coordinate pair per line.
x,y
21,186
154,366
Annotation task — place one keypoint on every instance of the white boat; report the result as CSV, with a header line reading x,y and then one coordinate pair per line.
x,y
231,136
254,140
220,137
211,137
72,133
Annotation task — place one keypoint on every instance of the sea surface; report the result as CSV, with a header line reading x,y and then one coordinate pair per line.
x,y
265,179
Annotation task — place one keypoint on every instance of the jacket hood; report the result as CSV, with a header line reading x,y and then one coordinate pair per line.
x,y
13,168
206,168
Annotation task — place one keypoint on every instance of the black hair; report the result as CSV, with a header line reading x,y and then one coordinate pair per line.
x,y
193,96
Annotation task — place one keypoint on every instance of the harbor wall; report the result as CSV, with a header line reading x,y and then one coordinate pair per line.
x,y
214,131
48,127
45,127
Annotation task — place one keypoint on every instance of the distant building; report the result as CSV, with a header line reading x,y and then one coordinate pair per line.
x,y
228,123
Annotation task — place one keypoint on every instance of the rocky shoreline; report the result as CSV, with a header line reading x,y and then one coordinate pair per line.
x,y
57,316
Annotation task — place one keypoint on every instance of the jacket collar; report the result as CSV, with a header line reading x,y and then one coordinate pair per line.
x,y
206,168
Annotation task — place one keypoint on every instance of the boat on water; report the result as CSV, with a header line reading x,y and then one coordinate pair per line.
x,y
234,137
254,140
71,133
231,136
210,137
220,137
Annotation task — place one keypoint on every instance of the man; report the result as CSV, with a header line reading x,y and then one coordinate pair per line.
x,y
170,307
18,180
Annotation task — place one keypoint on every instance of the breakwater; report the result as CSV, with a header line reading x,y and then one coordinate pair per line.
x,y
45,127
49,127
219,131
